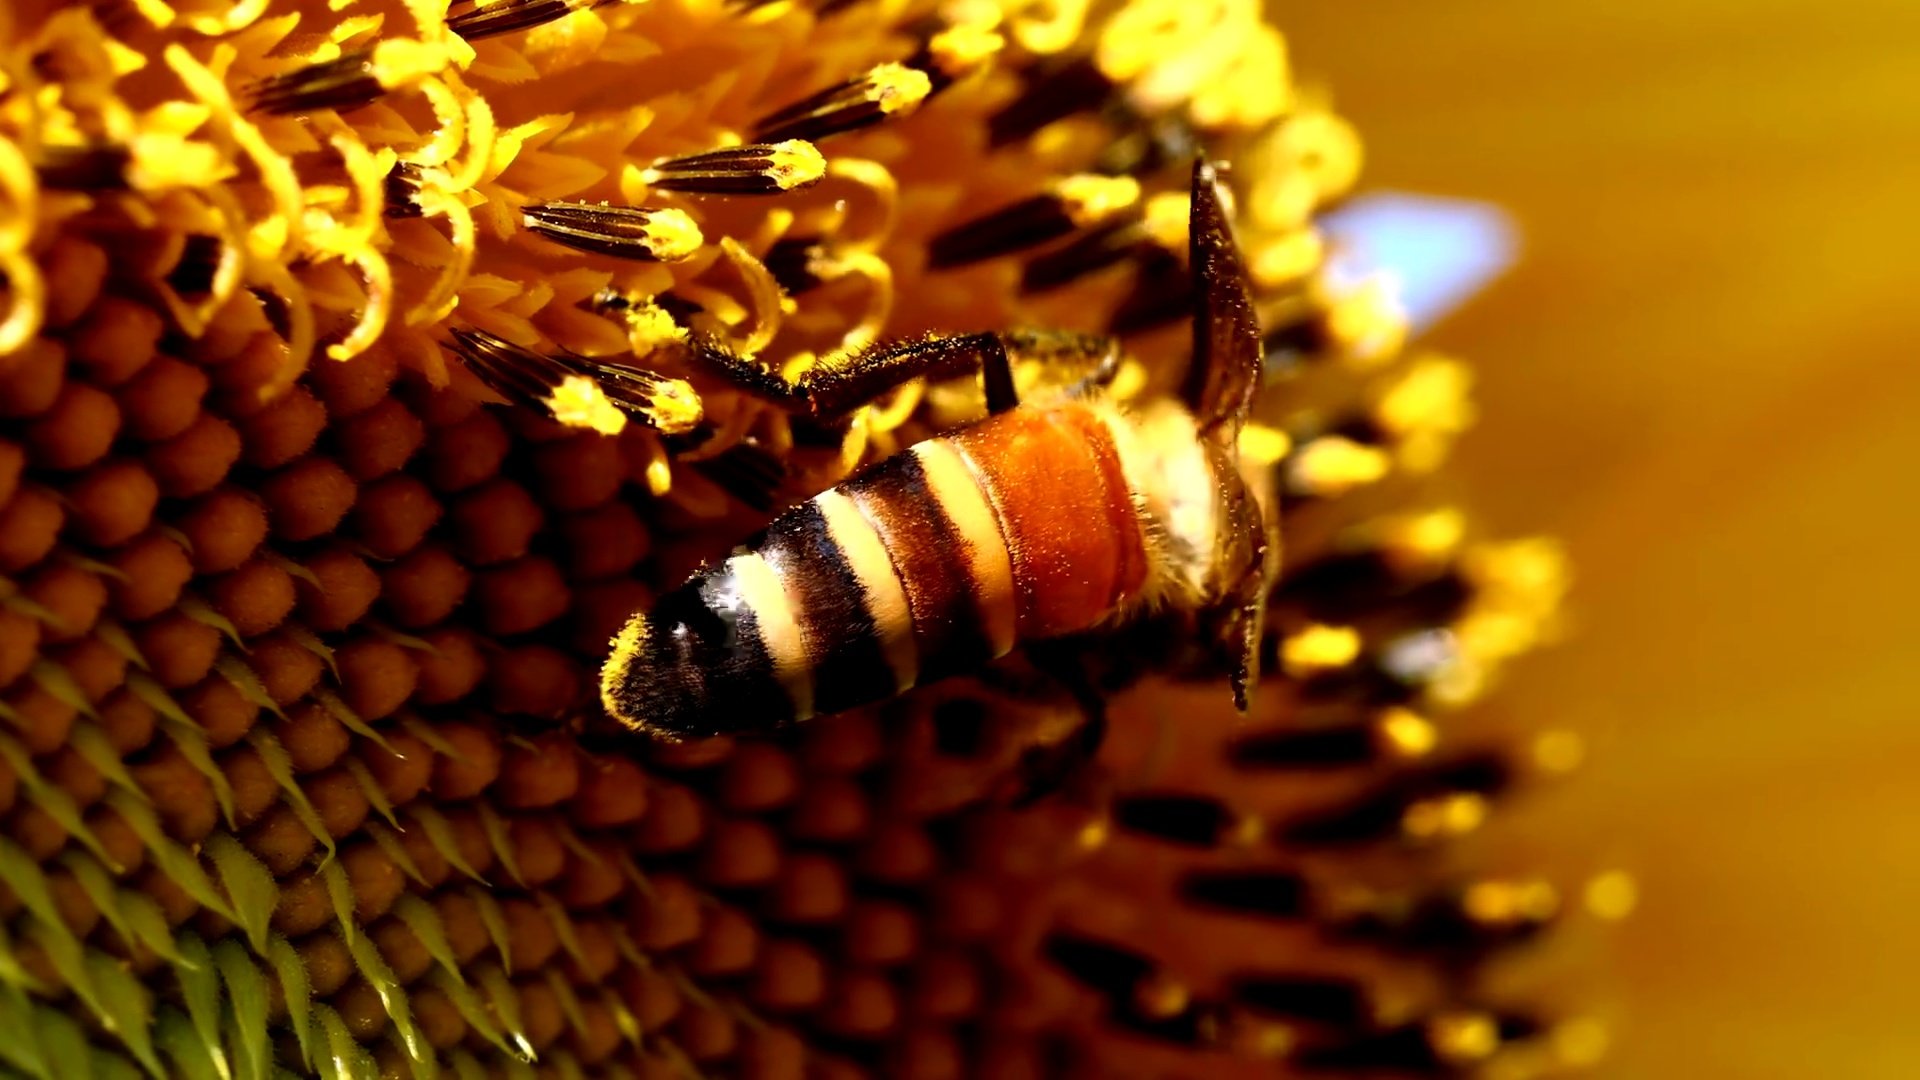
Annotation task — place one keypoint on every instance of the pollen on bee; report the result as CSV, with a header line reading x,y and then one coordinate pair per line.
x,y
624,232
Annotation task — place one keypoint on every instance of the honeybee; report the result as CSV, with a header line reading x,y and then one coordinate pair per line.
x,y
1049,517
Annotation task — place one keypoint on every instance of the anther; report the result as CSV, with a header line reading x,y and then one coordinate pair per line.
x,y
343,83
887,90
485,20
1075,87
82,168
754,169
1075,202
624,232
403,191
1192,820
593,394
1271,894
798,263
1328,1001
953,53
1088,253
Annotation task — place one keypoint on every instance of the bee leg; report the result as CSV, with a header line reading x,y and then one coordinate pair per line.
x,y
1242,616
746,375
1065,765
838,385
1096,356
1049,770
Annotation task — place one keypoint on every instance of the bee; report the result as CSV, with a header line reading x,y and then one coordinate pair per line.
x,y
1050,517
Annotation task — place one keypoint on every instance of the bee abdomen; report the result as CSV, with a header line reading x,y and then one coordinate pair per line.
x,y
1064,504
720,653
928,564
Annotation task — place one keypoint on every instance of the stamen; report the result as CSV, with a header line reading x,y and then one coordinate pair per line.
x,y
1075,87
1101,966
1306,750
1075,202
82,168
1445,799
956,52
1192,820
1163,293
754,169
887,90
625,232
1088,253
1150,145
484,20
798,263
1273,894
595,394
1336,1002
403,191
346,82
351,80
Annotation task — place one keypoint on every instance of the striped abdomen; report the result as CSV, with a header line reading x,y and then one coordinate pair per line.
x,y
927,564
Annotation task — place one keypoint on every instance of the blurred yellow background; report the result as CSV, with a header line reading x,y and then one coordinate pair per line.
x,y
1704,373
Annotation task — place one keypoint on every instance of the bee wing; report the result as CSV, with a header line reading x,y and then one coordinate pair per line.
x,y
1225,370
1220,388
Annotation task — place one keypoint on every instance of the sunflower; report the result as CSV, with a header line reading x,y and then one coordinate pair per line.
x,y
1701,378
354,389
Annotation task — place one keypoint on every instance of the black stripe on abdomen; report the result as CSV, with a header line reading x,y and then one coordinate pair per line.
x,y
836,629
702,668
929,557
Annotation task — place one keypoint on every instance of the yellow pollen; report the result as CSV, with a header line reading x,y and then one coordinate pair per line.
x,y
1334,465
578,402
796,163
399,62
1463,1037
1580,1042
1264,445
1090,199
1166,221
964,48
1407,734
897,88
1368,323
1319,649
672,235
1161,996
651,327
1559,751
1422,539
1285,259
1506,902
1448,815
1612,896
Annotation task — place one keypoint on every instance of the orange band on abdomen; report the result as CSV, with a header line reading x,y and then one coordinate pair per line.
x,y
1056,484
